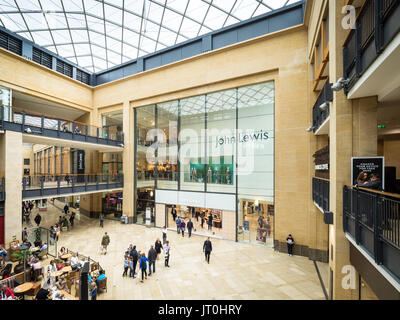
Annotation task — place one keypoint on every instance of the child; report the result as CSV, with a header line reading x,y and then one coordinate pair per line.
x,y
126,265
131,270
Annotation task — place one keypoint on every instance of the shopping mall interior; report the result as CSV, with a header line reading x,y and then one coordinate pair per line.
x,y
269,127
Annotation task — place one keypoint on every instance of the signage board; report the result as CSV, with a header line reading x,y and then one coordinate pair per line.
x,y
370,165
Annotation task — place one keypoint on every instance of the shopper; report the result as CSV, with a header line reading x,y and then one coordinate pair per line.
x,y
93,290
134,256
157,247
290,244
126,265
182,227
164,234
178,225
101,220
167,249
190,227
105,241
66,208
143,266
210,221
152,259
71,219
38,219
207,248
173,212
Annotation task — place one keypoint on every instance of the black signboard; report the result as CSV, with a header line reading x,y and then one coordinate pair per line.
x,y
80,165
370,165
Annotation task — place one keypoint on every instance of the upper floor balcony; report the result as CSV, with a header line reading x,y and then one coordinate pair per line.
x,y
320,193
45,186
371,220
44,129
321,110
371,51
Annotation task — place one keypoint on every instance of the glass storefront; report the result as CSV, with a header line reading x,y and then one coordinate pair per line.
x,y
218,143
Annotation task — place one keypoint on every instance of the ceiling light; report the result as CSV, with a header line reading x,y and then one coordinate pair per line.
x,y
324,106
310,128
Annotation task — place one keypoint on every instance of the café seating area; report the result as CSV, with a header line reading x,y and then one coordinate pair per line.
x,y
60,276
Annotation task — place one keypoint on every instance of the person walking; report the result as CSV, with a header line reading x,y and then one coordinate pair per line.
x,y
134,256
207,248
190,227
157,247
164,234
71,219
209,222
182,227
152,259
290,244
126,265
66,208
143,266
38,219
167,249
105,241
131,270
178,225
101,219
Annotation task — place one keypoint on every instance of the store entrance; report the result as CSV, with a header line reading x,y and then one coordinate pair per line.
x,y
206,222
256,221
145,211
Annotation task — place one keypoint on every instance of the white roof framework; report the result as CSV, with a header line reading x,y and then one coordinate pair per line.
x,y
99,34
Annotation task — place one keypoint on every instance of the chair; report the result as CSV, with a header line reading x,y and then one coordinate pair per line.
x,y
42,254
103,284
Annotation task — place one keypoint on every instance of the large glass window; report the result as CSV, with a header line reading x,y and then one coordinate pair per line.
x,y
145,162
167,138
222,142
192,144
256,163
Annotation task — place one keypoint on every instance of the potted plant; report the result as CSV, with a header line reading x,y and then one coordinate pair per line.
x,y
38,238
21,256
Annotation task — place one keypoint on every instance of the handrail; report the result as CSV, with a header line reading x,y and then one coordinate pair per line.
x,y
327,180
49,116
382,193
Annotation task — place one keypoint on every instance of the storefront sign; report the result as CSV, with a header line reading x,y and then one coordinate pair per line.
x,y
370,165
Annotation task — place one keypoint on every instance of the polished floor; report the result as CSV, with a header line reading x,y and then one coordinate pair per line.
x,y
236,271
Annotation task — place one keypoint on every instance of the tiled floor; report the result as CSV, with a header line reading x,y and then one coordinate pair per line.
x,y
236,271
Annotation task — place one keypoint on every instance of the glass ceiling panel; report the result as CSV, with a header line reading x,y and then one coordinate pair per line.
x,y
133,27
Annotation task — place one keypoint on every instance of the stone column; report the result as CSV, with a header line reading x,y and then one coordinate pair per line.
x,y
11,168
128,159
341,150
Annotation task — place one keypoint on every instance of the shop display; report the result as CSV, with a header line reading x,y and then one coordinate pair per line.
x,y
218,171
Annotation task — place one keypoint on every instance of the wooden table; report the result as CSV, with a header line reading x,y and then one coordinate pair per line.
x,y
56,274
66,269
66,256
34,249
67,295
22,288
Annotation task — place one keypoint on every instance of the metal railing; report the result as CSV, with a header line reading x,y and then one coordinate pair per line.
x,y
84,258
51,185
326,96
377,24
372,219
320,193
26,121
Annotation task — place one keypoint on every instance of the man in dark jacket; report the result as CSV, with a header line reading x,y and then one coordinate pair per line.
x,y
66,208
190,227
207,248
37,219
152,256
134,255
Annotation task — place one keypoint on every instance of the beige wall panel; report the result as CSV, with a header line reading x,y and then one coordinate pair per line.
x,y
391,149
229,225
29,77
160,215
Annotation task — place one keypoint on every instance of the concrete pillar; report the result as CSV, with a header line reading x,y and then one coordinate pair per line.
x,y
12,169
341,150
128,159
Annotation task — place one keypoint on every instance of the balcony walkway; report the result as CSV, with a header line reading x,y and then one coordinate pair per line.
x,y
42,187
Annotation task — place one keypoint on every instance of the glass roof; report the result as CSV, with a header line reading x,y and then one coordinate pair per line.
x,y
99,34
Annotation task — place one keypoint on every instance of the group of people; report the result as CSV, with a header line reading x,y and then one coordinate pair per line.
x,y
365,180
205,216
134,258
